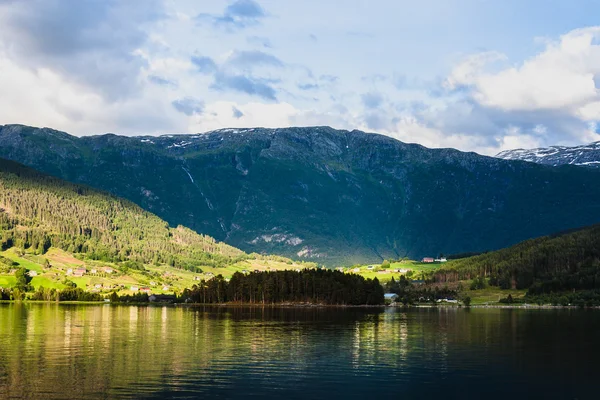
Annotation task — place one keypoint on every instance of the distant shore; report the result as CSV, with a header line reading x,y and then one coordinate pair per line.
x,y
301,305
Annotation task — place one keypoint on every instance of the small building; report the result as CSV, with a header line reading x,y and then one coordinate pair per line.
x,y
244,271
79,272
370,267
70,271
146,290
32,273
428,260
94,271
152,283
447,301
98,286
107,270
165,288
134,288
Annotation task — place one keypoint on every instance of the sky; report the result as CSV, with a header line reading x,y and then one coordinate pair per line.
x,y
476,75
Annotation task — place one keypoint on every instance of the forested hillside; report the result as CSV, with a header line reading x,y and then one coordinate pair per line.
x,y
38,211
567,261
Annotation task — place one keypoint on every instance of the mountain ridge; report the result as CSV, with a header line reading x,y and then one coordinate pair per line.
x,y
320,194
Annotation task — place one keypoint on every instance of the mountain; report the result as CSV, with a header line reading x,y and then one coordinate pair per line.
x,y
320,194
585,155
556,263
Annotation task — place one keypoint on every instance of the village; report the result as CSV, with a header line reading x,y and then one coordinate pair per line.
x,y
58,269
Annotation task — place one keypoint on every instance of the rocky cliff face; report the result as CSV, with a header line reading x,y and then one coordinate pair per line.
x,y
321,194
586,155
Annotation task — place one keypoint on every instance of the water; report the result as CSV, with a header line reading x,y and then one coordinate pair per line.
x,y
96,352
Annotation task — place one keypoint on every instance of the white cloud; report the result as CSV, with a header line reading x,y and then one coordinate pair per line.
x,y
411,130
45,98
561,77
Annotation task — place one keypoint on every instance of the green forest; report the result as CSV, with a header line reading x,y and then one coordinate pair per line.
x,y
316,286
548,267
38,212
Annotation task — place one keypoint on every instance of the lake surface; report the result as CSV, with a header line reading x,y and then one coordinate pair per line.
x,y
76,351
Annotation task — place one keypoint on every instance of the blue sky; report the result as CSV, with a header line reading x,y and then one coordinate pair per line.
x,y
476,75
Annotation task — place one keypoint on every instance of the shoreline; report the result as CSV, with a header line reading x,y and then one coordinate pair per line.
x,y
303,305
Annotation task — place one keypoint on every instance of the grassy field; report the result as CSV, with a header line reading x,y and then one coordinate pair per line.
x,y
41,281
160,279
412,269
7,281
26,261
491,295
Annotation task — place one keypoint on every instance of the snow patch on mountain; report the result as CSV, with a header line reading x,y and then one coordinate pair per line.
x,y
278,238
584,155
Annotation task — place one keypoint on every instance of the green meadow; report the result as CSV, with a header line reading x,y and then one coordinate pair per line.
x,y
52,270
410,268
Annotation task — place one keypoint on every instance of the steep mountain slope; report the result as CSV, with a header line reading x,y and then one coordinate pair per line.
x,y
321,194
586,155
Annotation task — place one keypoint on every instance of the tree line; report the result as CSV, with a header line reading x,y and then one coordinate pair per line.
x,y
315,286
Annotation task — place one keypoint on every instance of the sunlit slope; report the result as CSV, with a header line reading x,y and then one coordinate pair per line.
x,y
49,226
